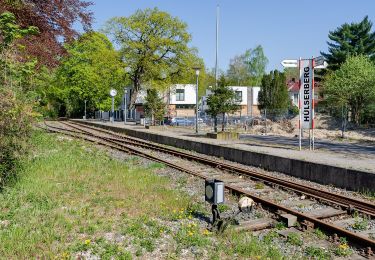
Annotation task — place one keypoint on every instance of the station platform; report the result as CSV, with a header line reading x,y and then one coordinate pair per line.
x,y
352,169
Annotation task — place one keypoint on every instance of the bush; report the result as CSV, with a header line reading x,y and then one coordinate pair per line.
x,y
293,110
15,124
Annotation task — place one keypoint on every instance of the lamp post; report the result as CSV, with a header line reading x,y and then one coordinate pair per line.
x,y
85,109
125,108
197,70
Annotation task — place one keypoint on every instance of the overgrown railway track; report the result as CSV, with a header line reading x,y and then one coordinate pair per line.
x,y
130,144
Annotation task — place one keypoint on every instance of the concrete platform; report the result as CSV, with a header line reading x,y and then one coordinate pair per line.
x,y
344,170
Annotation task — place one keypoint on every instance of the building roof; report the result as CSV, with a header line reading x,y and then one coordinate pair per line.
x,y
293,86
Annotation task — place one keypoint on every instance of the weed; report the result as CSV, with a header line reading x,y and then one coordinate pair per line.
x,y
294,239
189,235
223,207
259,185
317,253
320,234
343,250
280,225
360,223
270,236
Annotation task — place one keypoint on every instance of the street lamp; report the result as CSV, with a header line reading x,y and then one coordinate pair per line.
x,y
197,70
125,108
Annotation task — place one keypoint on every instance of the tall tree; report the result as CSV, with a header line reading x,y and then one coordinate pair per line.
x,y
273,94
248,68
55,19
90,70
154,106
352,86
221,101
348,40
154,46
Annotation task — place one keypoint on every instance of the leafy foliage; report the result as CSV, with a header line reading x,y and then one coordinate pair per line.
x,y
154,106
55,20
350,40
273,94
248,68
353,85
90,70
154,46
221,101
15,108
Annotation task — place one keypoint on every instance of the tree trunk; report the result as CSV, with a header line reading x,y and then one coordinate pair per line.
x,y
215,124
134,94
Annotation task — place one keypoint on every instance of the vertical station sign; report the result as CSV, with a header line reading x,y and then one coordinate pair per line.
x,y
306,100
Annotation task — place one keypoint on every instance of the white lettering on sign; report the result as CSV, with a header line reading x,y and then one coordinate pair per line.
x,y
306,93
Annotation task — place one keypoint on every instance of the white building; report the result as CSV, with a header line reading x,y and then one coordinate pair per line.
x,y
247,98
182,100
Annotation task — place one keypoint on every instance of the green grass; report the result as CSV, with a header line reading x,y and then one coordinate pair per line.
x,y
70,196
70,192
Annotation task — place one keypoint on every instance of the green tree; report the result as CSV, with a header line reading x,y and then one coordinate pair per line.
x,y
221,101
154,47
248,68
350,40
352,86
90,70
154,106
273,94
10,32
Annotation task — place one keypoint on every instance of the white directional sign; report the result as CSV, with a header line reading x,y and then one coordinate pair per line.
x,y
306,94
319,61
322,66
290,63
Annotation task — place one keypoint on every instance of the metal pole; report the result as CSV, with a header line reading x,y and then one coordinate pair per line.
x,y
125,108
196,108
217,44
299,105
113,109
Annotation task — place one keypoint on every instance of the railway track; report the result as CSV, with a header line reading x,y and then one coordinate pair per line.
x,y
347,203
130,145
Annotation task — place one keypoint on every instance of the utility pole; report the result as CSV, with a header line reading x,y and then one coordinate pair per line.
x,y
197,70
217,44
125,108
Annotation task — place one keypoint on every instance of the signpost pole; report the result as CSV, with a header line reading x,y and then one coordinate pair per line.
x,y
299,105
313,104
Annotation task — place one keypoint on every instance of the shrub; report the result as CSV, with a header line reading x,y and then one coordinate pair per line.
x,y
15,124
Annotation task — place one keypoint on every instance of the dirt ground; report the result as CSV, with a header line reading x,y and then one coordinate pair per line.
x,y
326,127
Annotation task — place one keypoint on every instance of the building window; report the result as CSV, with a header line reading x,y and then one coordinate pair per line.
x,y
180,94
296,98
238,96
185,106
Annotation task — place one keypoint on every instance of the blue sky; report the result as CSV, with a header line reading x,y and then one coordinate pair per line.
x,y
286,29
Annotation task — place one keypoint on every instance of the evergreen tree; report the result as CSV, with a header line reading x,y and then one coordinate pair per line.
x,y
273,94
350,40
154,106
221,101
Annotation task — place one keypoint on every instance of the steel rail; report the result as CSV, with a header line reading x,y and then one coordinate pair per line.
x,y
354,238
343,201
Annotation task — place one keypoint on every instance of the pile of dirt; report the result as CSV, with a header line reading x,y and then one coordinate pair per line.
x,y
326,127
